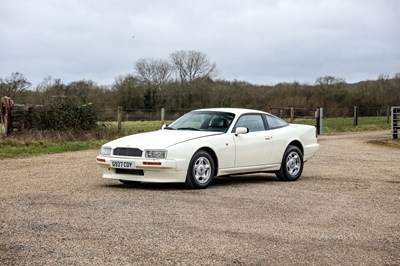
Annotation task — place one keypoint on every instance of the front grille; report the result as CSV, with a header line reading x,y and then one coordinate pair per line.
x,y
132,152
129,171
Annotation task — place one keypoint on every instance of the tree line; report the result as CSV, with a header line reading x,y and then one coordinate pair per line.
x,y
187,80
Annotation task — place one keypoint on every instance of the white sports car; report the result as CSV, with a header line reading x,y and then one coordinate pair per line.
x,y
207,143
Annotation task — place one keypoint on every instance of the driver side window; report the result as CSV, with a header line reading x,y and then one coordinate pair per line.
x,y
252,122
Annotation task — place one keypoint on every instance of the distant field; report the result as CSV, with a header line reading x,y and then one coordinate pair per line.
x,y
131,127
22,147
12,148
335,125
330,125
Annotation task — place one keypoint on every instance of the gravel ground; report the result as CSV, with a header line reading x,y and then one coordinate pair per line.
x,y
57,210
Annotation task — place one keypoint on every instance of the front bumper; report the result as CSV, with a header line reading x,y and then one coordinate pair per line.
x,y
145,170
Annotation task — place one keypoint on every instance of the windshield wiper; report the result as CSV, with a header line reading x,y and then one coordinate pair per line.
x,y
188,128
169,128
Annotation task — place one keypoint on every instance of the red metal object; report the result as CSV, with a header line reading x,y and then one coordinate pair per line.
x,y
6,104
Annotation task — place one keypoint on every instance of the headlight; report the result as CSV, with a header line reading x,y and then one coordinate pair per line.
x,y
105,151
156,154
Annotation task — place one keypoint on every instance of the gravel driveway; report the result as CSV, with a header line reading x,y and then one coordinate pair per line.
x,y
57,210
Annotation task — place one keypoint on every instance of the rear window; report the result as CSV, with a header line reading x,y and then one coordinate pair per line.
x,y
275,122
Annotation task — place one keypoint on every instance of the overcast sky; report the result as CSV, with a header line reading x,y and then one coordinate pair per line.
x,y
258,41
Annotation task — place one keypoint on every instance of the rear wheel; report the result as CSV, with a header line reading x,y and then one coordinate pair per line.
x,y
292,164
201,170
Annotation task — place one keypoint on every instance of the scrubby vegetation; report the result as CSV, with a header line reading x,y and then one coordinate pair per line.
x,y
188,80
66,115
63,115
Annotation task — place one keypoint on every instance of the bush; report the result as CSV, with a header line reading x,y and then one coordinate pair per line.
x,y
64,115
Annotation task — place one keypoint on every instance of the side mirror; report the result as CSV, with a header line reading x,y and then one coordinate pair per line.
x,y
241,130
164,126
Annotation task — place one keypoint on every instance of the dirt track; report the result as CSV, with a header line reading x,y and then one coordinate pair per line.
x,y
56,210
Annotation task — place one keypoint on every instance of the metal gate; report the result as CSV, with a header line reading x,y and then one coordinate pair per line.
x,y
395,114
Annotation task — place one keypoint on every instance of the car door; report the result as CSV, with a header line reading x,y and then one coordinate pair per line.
x,y
253,148
278,134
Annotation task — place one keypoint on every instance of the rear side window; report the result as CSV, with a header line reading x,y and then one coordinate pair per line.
x,y
274,122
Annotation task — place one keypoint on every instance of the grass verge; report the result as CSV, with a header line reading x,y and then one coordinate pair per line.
x,y
31,143
17,148
337,125
47,142
37,142
386,143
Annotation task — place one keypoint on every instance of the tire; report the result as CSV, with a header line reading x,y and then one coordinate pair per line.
x,y
292,164
201,170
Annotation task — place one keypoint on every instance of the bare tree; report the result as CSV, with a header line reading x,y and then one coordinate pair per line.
x,y
154,72
191,66
128,92
331,91
13,85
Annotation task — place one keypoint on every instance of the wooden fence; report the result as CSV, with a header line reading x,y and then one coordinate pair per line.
x,y
293,113
12,115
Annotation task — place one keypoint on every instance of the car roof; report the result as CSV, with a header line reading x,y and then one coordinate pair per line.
x,y
237,111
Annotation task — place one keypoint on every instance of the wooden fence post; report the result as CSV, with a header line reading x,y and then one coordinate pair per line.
x,y
355,116
291,114
318,118
162,116
119,117
5,113
388,115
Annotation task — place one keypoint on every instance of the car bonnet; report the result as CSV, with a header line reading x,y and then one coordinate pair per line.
x,y
160,139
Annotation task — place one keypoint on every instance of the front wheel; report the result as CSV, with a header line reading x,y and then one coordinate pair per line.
x,y
292,164
201,170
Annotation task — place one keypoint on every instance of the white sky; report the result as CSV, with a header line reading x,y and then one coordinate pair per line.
x,y
258,41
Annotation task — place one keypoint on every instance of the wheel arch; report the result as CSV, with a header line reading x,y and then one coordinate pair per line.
x,y
298,145
213,155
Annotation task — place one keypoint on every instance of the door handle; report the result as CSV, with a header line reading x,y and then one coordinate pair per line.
x,y
268,137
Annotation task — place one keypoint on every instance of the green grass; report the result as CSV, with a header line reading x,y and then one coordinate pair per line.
x,y
330,125
28,145
37,143
336,125
13,148
132,127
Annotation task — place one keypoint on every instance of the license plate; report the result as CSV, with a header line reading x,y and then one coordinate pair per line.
x,y
122,164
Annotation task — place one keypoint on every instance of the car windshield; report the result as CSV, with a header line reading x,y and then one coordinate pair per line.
x,y
203,121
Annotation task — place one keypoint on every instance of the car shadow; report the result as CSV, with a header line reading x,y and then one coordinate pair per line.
x,y
222,181
148,186
237,180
